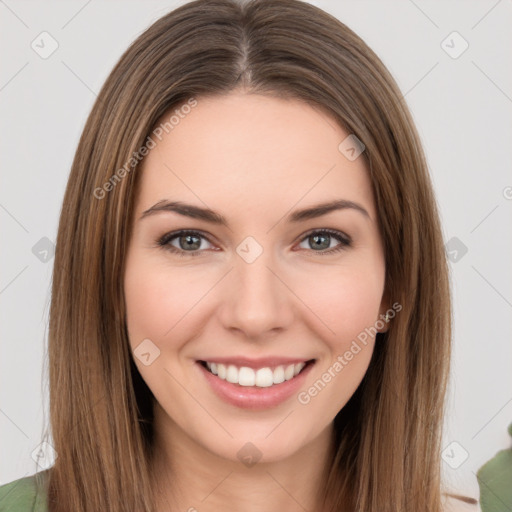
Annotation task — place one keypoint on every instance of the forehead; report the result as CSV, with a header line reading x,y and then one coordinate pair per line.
x,y
251,152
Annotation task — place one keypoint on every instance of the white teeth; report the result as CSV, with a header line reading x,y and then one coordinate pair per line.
x,y
232,374
221,371
288,373
279,375
263,377
246,376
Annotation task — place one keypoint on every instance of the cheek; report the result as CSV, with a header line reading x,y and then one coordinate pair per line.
x,y
158,305
349,305
167,305
156,299
346,300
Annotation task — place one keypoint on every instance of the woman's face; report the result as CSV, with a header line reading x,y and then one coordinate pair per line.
x,y
257,286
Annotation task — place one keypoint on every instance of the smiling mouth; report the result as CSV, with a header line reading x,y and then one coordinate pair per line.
x,y
261,377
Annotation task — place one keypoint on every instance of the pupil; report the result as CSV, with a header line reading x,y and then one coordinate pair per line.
x,y
189,243
321,246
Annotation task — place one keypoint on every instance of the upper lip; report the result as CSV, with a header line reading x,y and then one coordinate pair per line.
x,y
262,362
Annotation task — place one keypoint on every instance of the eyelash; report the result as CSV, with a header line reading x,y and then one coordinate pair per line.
x,y
164,241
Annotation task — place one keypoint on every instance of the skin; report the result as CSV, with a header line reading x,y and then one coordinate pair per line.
x,y
254,159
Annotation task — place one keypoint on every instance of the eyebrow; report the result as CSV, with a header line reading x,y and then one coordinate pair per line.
x,y
196,212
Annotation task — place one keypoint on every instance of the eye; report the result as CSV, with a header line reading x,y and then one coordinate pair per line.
x,y
321,240
189,242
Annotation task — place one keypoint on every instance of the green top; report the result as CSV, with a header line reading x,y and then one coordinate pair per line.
x,y
494,479
24,495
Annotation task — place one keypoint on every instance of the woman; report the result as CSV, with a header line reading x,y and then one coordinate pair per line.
x,y
250,304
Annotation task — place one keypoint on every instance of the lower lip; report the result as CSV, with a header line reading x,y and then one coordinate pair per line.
x,y
252,397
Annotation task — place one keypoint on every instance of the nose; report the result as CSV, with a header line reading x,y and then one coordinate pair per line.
x,y
256,300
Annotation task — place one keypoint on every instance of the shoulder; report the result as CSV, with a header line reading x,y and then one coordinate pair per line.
x,y
24,495
453,502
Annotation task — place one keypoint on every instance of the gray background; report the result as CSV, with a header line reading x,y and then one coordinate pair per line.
x,y
462,107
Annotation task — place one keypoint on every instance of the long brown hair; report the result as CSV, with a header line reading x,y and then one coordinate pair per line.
x,y
387,437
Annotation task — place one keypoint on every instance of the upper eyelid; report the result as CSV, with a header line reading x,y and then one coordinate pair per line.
x,y
174,234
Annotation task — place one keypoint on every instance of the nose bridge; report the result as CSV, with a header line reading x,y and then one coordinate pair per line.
x,y
256,301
